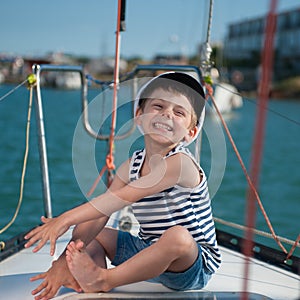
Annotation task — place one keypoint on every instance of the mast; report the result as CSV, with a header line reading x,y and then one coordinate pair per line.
x,y
205,50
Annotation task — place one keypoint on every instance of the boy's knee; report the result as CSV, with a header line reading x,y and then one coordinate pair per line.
x,y
177,231
179,238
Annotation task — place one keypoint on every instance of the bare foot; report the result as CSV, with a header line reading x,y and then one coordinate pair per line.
x,y
89,276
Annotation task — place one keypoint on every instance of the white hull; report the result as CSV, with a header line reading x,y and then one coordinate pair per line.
x,y
265,281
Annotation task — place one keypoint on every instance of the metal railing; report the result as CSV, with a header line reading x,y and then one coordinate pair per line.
x,y
37,70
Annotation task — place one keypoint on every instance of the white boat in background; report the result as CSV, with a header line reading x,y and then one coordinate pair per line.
x,y
62,80
227,97
2,77
68,80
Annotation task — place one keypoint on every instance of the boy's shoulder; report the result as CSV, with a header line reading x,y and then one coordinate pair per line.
x,y
123,171
182,151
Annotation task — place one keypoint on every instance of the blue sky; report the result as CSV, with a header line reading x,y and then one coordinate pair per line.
x,y
87,27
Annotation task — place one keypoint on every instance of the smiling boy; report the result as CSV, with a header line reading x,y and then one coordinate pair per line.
x,y
167,189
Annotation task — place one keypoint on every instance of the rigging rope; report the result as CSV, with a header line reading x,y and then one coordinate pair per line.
x,y
263,97
31,82
110,166
250,183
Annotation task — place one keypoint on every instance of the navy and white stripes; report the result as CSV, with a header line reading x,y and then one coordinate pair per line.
x,y
188,207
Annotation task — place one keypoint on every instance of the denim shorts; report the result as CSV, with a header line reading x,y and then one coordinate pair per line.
x,y
196,277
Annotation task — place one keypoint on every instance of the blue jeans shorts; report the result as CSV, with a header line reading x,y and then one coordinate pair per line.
x,y
196,277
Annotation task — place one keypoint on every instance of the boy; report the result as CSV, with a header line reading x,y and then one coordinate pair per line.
x,y
167,189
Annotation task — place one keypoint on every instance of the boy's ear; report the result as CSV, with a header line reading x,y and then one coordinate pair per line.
x,y
137,116
191,134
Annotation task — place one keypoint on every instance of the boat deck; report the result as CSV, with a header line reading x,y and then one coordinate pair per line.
x,y
269,282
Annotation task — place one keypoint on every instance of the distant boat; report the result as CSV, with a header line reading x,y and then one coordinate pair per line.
x,y
2,77
68,80
227,97
62,80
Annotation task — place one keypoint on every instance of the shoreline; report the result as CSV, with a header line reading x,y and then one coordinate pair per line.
x,y
288,89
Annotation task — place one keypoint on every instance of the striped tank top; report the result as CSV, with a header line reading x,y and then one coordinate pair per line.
x,y
188,207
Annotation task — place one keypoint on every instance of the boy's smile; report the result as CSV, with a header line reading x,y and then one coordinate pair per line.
x,y
166,117
162,126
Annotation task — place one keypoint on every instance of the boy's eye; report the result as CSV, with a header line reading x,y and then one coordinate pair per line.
x,y
179,113
157,106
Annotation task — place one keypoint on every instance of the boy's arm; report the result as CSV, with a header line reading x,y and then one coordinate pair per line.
x,y
87,213
58,274
87,231
163,174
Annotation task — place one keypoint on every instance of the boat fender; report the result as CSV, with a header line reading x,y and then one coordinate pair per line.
x,y
2,245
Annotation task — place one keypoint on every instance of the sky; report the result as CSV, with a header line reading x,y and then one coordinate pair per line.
x,y
87,27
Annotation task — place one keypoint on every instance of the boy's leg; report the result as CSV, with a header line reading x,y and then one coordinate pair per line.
x,y
108,239
175,251
94,255
103,246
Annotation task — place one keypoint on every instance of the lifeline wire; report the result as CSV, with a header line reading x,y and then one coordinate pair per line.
x,y
275,112
13,90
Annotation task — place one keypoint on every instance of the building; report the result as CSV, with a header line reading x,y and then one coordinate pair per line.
x,y
244,41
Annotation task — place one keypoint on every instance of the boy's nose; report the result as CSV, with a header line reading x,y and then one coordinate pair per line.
x,y
167,113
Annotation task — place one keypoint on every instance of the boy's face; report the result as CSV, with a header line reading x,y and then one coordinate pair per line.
x,y
167,117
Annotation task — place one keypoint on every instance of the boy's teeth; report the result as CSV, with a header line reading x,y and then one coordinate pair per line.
x,y
163,126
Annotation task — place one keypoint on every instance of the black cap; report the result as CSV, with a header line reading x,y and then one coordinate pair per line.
x,y
188,85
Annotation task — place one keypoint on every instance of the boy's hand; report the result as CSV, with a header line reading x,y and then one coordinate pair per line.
x,y
51,230
56,277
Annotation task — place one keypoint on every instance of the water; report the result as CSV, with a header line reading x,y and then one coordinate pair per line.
x,y
71,179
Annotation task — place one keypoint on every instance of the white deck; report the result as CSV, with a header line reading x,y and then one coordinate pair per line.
x,y
266,280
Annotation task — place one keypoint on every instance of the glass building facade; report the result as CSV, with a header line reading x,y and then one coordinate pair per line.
x,y
244,41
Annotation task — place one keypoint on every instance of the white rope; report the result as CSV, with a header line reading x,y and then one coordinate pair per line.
x,y
24,165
